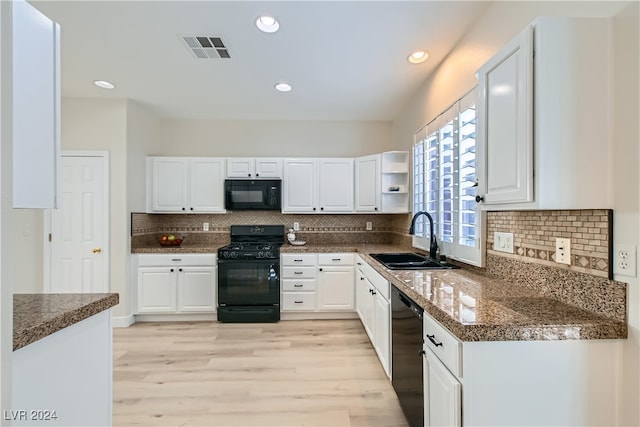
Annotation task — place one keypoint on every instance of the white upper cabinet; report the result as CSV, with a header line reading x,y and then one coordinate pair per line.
x,y
544,118
335,185
506,122
258,167
322,185
299,187
368,196
185,184
36,107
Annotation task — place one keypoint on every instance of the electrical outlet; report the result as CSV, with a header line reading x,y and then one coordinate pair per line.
x,y
563,251
503,242
296,226
205,226
624,258
369,226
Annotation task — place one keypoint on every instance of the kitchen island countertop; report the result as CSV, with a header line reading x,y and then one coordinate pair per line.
x,y
36,316
475,307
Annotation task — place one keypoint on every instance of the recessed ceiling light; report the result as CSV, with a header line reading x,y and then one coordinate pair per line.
x,y
104,84
283,87
418,57
268,24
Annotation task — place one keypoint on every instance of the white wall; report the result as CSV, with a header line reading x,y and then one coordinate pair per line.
x,y
142,136
273,138
626,191
102,125
456,75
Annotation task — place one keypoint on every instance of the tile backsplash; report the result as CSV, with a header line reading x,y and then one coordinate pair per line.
x,y
584,283
535,233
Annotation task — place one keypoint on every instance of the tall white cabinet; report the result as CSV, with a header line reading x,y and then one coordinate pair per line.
x,y
543,118
36,107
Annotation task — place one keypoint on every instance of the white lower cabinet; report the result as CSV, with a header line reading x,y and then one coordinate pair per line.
x,y
517,383
180,283
321,283
335,282
374,309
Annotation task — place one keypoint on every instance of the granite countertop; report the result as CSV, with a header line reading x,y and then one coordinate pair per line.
x,y
479,308
471,306
36,316
182,249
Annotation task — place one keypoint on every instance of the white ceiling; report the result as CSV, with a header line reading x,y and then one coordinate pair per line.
x,y
346,60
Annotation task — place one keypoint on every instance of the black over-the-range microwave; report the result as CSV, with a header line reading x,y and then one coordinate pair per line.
x,y
252,194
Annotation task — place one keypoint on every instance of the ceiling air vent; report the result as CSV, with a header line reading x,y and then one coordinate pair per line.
x,y
206,47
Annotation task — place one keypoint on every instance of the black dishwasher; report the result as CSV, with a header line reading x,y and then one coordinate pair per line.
x,y
406,356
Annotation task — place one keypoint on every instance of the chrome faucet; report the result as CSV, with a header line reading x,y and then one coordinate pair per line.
x,y
433,245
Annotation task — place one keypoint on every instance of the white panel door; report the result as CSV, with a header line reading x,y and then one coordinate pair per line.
x,y
300,185
368,177
206,186
443,400
79,228
382,330
336,288
169,184
336,185
505,123
157,289
196,288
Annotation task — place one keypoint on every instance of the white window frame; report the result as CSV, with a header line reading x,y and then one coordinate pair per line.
x,y
474,255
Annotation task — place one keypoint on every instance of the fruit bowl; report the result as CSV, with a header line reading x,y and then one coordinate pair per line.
x,y
171,240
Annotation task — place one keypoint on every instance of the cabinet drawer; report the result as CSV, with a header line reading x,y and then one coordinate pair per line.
x,y
298,301
336,259
299,285
443,344
161,260
376,279
299,259
298,272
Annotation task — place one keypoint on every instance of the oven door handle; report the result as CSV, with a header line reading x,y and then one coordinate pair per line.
x,y
273,273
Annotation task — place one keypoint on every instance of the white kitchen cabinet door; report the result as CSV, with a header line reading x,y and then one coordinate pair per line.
x,y
196,289
505,123
168,184
157,289
268,167
336,289
365,304
368,183
36,107
442,394
335,185
240,167
382,329
206,184
299,188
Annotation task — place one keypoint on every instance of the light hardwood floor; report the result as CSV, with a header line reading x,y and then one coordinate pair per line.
x,y
291,373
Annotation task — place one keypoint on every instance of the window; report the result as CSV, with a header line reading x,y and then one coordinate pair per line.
x,y
444,183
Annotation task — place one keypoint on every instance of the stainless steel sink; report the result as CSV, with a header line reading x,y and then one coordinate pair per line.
x,y
410,261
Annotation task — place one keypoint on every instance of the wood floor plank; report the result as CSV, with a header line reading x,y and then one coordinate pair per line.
x,y
291,373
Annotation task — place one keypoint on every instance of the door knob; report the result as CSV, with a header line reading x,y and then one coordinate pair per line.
x,y
97,250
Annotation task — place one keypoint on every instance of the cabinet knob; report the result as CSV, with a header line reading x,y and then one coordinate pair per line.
x,y
479,199
96,250
314,209
179,269
320,269
183,209
191,208
257,175
375,209
361,278
172,270
322,208
249,175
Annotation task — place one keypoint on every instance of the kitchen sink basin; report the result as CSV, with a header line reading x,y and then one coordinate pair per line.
x,y
410,261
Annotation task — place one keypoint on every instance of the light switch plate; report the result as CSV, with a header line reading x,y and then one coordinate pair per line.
x,y
563,250
503,242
